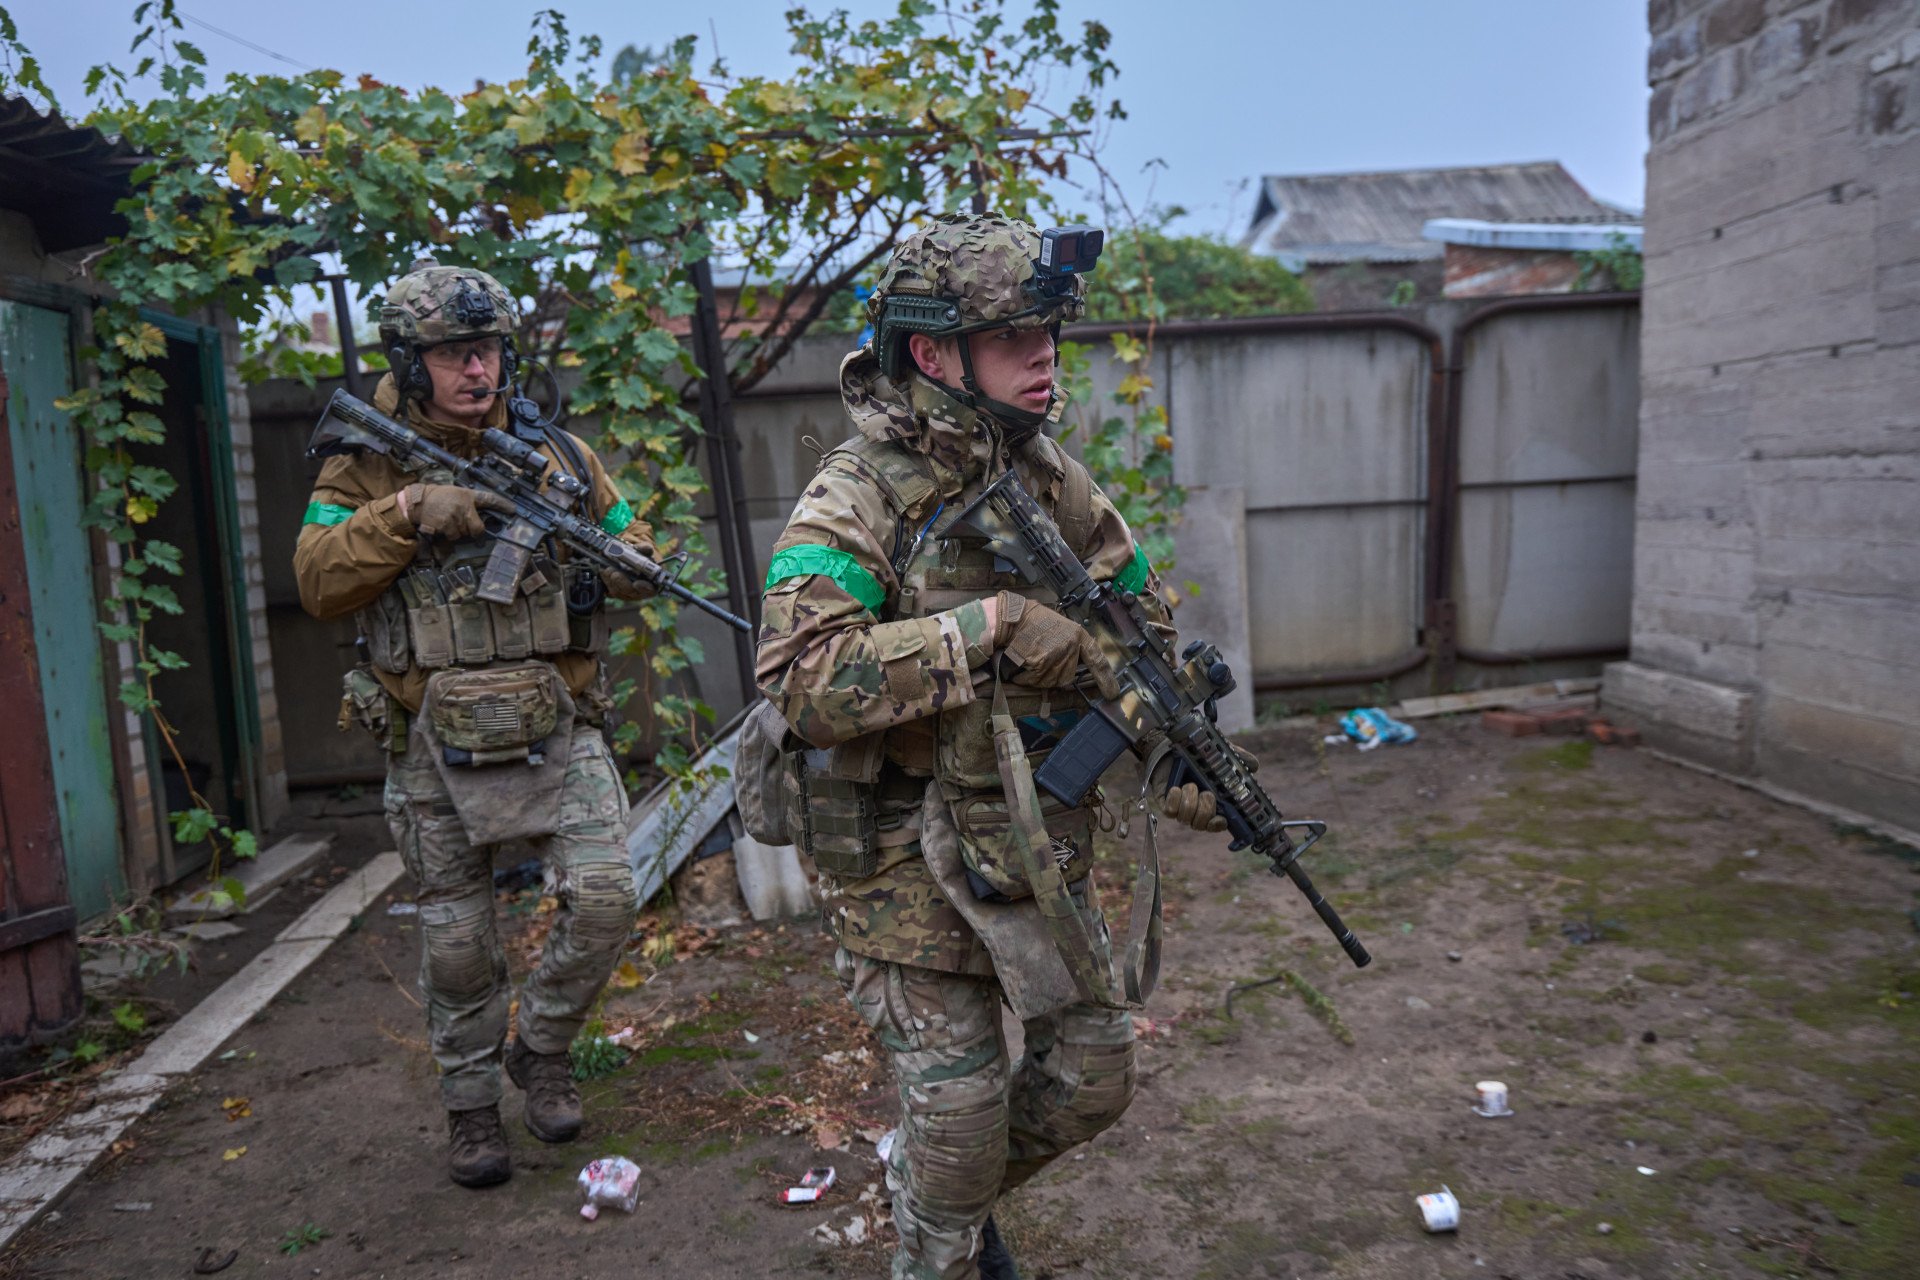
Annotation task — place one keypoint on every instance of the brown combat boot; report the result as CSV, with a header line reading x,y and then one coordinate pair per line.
x,y
477,1152
553,1104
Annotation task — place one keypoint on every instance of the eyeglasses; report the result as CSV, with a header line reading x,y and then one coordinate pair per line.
x,y
455,355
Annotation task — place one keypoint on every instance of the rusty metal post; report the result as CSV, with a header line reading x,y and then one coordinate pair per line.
x,y
349,349
723,460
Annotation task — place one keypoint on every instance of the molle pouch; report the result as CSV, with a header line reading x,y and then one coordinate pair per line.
x,y
384,625
547,606
966,761
494,716
512,629
472,617
995,865
760,768
429,623
365,701
834,811
587,633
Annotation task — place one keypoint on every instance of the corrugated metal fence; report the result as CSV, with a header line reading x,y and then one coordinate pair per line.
x,y
1431,496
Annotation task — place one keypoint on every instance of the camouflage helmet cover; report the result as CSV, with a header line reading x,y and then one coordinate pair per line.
x,y
433,304
981,265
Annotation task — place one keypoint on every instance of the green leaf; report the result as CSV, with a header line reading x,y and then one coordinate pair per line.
x,y
191,826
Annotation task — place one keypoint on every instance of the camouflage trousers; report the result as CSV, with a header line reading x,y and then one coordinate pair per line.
x,y
974,1126
463,971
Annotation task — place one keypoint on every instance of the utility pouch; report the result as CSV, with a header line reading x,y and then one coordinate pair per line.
x,y
760,768
547,608
587,633
496,715
966,760
833,811
383,624
993,848
365,701
429,623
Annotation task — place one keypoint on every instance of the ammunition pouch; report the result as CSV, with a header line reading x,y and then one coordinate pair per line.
x,y
494,716
833,806
365,701
760,768
994,851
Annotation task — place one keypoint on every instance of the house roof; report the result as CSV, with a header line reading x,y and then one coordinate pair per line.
x,y
65,178
1310,219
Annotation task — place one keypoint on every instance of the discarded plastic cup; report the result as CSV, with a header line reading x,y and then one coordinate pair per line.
x,y
813,1185
1440,1209
1493,1099
611,1182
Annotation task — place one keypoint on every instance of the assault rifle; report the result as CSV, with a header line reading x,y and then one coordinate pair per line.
x,y
1165,706
543,504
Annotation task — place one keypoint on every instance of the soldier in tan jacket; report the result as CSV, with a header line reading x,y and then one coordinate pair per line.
x,y
402,551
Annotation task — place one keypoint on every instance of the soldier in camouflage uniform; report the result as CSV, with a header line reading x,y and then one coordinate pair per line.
x,y
885,648
400,551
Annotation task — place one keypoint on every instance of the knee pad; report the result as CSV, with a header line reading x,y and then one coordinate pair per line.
x,y
955,1161
463,957
601,897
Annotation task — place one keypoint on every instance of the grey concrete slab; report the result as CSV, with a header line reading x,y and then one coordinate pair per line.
x,y
258,877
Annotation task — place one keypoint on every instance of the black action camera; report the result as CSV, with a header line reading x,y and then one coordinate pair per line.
x,y
1069,251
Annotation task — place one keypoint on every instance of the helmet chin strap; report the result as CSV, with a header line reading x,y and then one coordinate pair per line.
x,y
1021,424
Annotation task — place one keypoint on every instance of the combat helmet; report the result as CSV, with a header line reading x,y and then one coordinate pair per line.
x,y
966,273
433,304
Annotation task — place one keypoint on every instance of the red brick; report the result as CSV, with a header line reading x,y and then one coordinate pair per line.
x,y
1515,724
1602,732
1572,720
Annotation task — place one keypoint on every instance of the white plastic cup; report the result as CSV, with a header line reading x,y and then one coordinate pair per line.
x,y
1440,1209
1493,1098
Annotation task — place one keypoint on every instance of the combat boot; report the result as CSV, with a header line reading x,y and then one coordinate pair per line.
x,y
995,1262
553,1103
477,1152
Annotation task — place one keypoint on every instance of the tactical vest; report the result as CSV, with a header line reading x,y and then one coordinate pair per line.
x,y
430,617
848,795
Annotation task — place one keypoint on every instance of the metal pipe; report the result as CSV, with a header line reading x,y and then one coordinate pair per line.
x,y
349,348
1496,658
716,420
1357,675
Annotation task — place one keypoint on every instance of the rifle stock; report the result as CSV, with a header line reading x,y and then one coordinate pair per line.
x,y
1164,702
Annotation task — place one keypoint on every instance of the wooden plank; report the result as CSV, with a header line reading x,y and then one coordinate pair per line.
x,y
1447,704
53,976
45,473
16,999
25,930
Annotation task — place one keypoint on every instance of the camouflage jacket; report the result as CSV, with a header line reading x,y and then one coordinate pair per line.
x,y
840,660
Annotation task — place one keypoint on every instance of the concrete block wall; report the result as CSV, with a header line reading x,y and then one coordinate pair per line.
x,y
1776,619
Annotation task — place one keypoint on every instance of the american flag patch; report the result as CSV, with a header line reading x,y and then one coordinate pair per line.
x,y
497,717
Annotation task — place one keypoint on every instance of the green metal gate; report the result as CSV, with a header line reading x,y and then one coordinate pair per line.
x,y
36,350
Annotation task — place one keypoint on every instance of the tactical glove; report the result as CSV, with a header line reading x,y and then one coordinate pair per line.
x,y
626,586
450,511
1045,648
1188,805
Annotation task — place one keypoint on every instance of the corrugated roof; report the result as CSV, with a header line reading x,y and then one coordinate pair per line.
x,y
64,177
1378,217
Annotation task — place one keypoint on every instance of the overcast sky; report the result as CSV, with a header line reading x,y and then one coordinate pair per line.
x,y
1220,90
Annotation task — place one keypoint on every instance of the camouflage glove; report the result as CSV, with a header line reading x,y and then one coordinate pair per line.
x,y
1046,649
449,511
1188,805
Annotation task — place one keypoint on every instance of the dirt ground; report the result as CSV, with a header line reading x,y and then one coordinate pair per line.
x,y
1703,1002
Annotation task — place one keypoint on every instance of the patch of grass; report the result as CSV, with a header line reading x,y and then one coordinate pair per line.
x,y
1243,1249
1574,753
1667,975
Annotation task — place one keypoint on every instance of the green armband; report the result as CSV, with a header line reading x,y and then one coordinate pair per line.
x,y
847,573
327,513
1134,577
618,517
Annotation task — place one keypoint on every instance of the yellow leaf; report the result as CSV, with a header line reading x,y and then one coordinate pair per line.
x,y
141,509
312,125
233,1153
237,1108
1016,99
239,172
578,180
626,977
1127,347
621,289
630,154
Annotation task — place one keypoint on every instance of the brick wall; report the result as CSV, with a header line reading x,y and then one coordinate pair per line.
x,y
1777,559
1478,271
